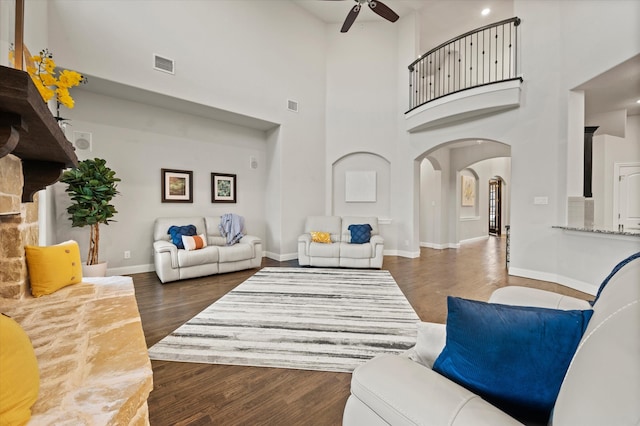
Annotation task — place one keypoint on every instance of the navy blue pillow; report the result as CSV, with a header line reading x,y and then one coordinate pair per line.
x,y
360,234
515,357
177,232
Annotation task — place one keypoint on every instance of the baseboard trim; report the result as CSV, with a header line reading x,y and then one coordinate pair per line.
x,y
280,257
402,253
555,278
440,246
135,269
470,240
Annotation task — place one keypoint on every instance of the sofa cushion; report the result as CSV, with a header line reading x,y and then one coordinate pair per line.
x,y
235,253
176,233
355,251
320,237
204,256
324,250
513,356
53,267
360,233
330,224
195,242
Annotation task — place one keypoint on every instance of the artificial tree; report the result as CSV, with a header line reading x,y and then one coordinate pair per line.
x,y
91,187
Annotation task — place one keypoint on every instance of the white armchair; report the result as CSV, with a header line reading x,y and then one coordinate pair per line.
x,y
601,385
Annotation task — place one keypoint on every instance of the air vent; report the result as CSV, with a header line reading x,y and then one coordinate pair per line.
x,y
292,105
163,64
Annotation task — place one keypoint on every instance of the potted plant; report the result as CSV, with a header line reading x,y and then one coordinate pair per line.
x,y
91,187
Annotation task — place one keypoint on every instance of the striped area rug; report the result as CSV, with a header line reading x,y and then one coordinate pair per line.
x,y
299,318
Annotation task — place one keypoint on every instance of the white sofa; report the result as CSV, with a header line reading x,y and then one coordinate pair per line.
x,y
216,258
601,385
340,252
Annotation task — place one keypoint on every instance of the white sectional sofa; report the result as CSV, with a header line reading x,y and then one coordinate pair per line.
x,y
600,387
174,264
340,252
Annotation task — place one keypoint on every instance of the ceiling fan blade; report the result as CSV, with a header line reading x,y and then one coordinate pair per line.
x,y
353,14
383,10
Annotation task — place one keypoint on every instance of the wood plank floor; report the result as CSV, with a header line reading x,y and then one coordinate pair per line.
x,y
203,394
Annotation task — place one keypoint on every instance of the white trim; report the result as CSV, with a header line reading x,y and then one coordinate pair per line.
x,y
440,246
280,257
135,269
402,253
470,218
434,246
555,278
470,240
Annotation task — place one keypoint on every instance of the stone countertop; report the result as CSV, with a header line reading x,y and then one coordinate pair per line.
x,y
631,233
91,351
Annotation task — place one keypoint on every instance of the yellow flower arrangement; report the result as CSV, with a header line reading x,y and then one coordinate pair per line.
x,y
42,70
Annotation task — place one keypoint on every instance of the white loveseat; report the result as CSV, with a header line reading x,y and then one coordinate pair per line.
x,y
601,385
216,258
340,252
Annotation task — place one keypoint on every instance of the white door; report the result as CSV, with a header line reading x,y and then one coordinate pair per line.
x,y
628,181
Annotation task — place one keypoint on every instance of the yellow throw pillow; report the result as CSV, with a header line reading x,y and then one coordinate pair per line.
x,y
53,267
321,237
19,375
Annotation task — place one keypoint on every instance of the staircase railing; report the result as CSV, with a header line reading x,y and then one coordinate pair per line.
x,y
486,55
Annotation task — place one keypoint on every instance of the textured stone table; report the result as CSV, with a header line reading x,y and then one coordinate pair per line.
x,y
91,351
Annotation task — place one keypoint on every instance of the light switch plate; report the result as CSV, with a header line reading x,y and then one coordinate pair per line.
x,y
540,200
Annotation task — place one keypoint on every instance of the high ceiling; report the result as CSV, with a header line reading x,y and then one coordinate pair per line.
x,y
618,88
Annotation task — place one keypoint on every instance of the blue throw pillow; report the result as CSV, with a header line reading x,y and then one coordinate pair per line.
x,y
515,357
360,234
177,232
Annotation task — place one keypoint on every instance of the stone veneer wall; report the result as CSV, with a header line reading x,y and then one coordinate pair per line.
x,y
18,227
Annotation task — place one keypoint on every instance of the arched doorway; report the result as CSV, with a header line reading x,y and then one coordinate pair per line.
x,y
444,220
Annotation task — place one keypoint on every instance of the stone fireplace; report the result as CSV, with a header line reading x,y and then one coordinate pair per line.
x,y
18,227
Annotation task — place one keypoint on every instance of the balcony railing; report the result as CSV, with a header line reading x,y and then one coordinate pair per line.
x,y
483,56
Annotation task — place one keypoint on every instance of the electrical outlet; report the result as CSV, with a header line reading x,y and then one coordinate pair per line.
x,y
127,254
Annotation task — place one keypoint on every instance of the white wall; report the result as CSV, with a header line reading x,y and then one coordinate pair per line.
x,y
247,57
250,56
139,140
537,133
362,162
362,73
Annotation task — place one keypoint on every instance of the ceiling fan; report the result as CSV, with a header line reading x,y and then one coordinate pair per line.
x,y
377,6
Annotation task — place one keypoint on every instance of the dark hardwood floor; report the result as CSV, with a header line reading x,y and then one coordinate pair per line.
x,y
203,394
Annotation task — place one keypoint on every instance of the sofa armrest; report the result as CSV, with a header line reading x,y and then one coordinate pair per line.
x,y
250,239
403,392
525,296
167,247
376,239
430,342
254,242
303,243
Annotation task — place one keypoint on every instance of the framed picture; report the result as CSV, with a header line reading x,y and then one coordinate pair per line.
x,y
468,191
177,186
223,188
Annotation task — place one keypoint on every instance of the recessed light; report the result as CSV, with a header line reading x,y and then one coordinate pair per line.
x,y
485,11
638,101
